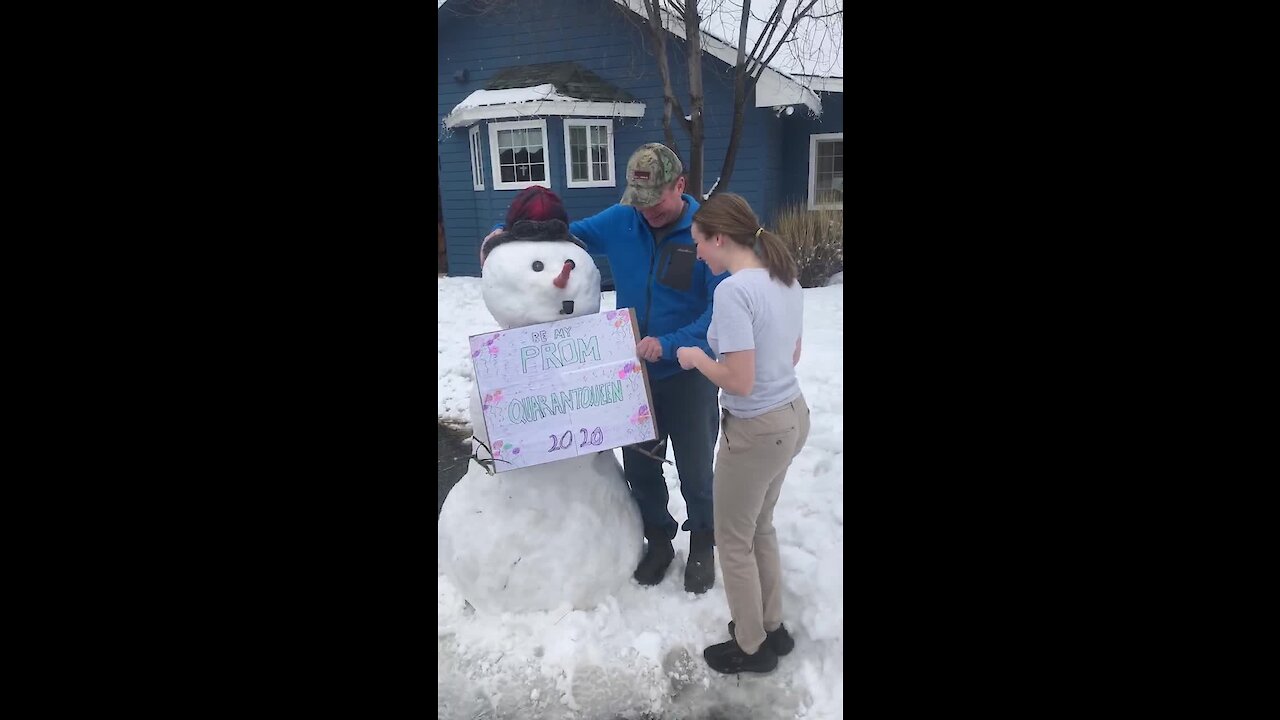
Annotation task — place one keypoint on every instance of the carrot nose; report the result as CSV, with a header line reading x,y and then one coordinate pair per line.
x,y
563,278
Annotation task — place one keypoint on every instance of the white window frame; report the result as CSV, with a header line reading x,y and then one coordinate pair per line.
x,y
477,159
498,183
813,171
568,156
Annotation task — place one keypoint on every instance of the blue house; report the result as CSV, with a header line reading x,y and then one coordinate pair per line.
x,y
560,92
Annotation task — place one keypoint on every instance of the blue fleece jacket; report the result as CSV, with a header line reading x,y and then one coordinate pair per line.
x,y
669,288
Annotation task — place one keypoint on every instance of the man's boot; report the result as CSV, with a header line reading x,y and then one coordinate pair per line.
x,y
657,556
700,573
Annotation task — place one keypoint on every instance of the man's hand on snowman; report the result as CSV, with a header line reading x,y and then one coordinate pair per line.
x,y
689,356
649,349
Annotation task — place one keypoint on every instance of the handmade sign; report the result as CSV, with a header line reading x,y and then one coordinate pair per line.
x,y
561,389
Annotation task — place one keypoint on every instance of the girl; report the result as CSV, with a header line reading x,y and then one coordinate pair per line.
x,y
756,318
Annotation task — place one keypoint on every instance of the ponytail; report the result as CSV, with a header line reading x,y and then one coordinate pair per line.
x,y
729,214
776,257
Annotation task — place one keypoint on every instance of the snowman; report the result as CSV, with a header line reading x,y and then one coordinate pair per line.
x,y
536,537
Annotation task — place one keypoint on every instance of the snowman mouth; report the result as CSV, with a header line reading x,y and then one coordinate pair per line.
x,y
566,307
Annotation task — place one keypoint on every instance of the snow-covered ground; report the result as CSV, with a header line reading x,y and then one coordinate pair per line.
x,y
639,654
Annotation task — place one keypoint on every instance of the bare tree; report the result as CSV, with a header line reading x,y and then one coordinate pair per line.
x,y
753,65
669,100
692,122
693,31
780,29
739,98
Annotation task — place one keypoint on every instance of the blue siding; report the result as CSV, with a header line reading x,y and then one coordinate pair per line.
x,y
774,164
796,129
604,38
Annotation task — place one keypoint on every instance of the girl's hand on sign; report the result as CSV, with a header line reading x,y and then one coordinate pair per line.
x,y
689,356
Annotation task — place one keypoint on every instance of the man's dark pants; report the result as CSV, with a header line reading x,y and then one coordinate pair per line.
x,y
686,410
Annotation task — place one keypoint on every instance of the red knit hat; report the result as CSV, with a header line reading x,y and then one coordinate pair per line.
x,y
536,214
536,203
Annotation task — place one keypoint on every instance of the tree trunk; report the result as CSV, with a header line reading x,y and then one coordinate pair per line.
x,y
693,35
668,95
739,100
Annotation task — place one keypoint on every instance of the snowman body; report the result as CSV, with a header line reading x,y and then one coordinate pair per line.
x,y
534,538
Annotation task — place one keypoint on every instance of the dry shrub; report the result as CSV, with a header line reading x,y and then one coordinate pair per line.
x,y
815,239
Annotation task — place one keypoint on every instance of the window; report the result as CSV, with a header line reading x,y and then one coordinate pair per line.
x,y
518,151
588,153
826,171
477,160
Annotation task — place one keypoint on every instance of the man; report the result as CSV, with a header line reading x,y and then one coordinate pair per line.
x,y
647,239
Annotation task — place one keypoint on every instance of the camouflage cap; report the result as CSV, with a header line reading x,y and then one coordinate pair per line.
x,y
650,169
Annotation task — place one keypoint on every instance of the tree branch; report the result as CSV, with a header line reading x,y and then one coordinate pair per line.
x,y
762,42
739,99
669,100
795,18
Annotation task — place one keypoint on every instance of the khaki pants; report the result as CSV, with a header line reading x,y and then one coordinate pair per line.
x,y
750,467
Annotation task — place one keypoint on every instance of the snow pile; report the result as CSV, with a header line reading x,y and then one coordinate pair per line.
x,y
640,651
462,314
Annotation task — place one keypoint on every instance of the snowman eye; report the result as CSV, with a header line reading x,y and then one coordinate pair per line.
x,y
537,266
570,263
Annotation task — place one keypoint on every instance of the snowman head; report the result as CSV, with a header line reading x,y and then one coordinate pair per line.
x,y
536,271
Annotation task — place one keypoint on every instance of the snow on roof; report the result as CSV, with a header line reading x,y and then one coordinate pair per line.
x,y
537,93
570,79
535,101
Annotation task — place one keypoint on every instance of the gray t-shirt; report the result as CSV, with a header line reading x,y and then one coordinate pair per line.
x,y
752,311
